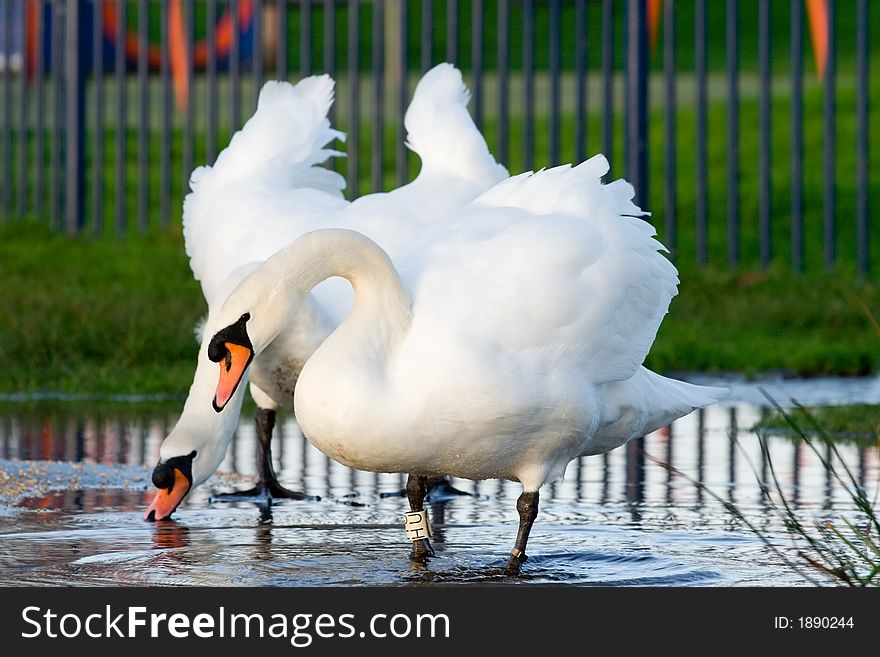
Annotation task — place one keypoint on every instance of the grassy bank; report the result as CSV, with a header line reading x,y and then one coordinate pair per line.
x,y
754,322
857,421
96,316
108,316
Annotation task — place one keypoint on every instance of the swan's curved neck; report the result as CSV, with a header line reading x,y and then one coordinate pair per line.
x,y
382,311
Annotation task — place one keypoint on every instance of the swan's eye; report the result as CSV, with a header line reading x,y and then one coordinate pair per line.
x,y
244,317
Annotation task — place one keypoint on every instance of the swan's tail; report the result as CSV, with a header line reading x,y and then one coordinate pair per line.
x,y
667,399
440,129
679,398
646,402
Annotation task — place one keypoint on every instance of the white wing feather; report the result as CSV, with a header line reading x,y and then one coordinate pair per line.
x,y
553,262
277,152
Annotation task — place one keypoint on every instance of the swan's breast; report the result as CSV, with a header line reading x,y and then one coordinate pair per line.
x,y
278,378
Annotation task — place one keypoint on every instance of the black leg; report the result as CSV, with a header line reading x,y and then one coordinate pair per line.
x,y
527,507
265,421
416,490
268,488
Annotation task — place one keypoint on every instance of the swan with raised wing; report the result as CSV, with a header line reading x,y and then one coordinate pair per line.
x,y
506,341
267,188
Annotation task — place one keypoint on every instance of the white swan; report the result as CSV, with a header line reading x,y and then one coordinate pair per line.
x,y
266,189
509,342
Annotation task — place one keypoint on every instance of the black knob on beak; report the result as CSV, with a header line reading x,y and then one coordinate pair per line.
x,y
163,475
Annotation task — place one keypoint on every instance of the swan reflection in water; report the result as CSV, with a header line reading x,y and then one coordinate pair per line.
x,y
616,518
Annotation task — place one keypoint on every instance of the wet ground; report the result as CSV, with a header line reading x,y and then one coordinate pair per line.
x,y
74,481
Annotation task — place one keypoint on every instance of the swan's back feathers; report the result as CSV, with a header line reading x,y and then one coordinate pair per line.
x,y
440,129
555,264
278,150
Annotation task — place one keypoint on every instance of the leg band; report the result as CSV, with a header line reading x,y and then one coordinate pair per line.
x,y
416,525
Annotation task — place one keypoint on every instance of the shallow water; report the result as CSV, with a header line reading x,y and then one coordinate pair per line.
x,y
77,482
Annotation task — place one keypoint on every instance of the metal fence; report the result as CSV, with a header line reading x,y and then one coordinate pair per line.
x,y
744,125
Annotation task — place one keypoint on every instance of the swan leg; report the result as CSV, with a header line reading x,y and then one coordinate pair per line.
x,y
527,507
268,488
416,491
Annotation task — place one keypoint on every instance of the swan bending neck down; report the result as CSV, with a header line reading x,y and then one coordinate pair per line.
x,y
418,388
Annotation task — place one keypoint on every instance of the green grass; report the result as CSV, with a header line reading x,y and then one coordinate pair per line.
x,y
856,420
88,315
105,316
755,322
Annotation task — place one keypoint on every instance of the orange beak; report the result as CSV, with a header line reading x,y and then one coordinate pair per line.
x,y
231,370
167,499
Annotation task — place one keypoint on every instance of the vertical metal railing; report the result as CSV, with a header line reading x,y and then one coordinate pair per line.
x,y
581,57
797,136
452,30
120,176
554,69
165,155
427,34
257,48
211,74
765,190
234,67
6,132
829,141
503,80
732,132
862,138
109,113
670,145
305,39
281,28
378,63
477,27
97,209
188,149
74,74
637,99
39,91
402,89
528,55
23,135
608,79
330,41
700,207
354,88
143,155
56,165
